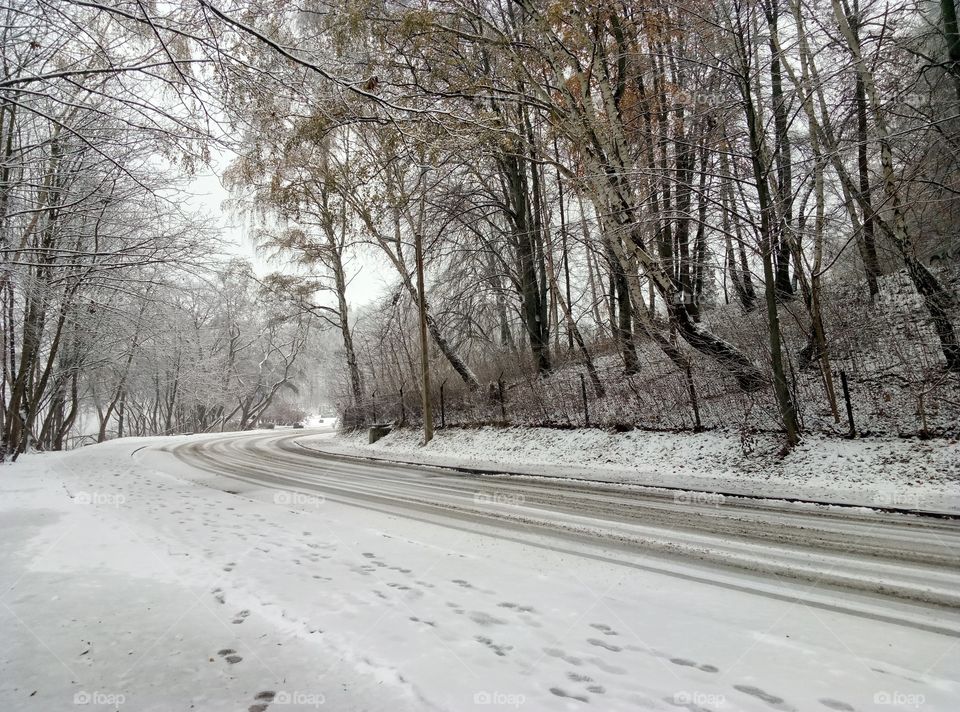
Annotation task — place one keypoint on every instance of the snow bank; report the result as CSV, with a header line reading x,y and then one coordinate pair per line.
x,y
871,472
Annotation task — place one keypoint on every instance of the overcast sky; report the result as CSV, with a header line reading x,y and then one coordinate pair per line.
x,y
368,278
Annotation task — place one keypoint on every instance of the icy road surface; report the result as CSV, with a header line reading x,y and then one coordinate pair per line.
x,y
247,572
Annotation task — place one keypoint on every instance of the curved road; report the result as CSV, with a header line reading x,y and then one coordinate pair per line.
x,y
897,567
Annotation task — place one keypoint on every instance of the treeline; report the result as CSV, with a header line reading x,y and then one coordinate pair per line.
x,y
595,177
118,314
706,190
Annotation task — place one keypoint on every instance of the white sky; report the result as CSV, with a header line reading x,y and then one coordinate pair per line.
x,y
367,278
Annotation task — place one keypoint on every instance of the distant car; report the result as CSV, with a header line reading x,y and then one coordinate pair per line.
x,y
297,426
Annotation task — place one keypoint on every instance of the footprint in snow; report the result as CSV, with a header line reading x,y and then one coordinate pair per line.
x,y
263,701
229,654
561,693
683,662
241,616
517,607
485,619
569,659
500,650
836,705
605,645
772,700
604,628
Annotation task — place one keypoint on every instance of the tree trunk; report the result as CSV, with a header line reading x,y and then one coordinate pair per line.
x,y
784,225
622,323
868,245
935,296
760,170
949,10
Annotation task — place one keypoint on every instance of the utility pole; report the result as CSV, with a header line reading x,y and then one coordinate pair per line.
x,y
422,293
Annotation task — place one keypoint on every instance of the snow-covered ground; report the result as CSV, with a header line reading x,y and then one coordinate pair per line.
x,y
873,472
124,587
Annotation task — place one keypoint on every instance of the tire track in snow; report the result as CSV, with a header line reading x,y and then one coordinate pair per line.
x,y
763,546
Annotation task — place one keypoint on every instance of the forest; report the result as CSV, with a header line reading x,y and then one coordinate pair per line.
x,y
740,214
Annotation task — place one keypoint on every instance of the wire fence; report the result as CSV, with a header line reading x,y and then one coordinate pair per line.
x,y
885,362
661,399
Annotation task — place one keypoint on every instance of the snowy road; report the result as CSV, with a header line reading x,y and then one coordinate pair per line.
x,y
904,557
243,572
